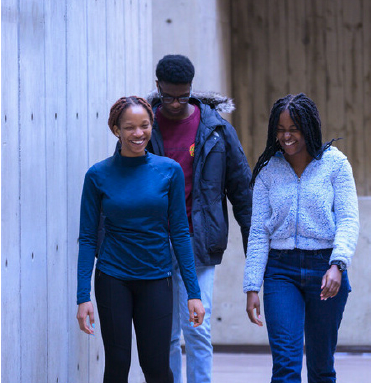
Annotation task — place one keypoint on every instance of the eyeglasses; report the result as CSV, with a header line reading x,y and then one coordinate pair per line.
x,y
170,99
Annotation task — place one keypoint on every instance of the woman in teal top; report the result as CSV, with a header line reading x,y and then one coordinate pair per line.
x,y
142,198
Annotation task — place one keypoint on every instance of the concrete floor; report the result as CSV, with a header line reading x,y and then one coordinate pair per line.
x,y
256,368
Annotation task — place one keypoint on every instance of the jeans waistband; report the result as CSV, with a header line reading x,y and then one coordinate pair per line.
x,y
315,252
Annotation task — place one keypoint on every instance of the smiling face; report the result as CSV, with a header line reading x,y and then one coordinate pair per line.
x,y
134,131
291,138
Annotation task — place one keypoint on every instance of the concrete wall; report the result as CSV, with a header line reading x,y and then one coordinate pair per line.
x,y
64,63
199,29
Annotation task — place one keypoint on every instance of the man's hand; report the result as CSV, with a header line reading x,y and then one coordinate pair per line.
x,y
196,312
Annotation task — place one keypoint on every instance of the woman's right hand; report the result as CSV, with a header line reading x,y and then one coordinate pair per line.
x,y
85,310
253,303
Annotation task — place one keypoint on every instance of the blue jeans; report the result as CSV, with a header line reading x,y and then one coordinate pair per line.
x,y
199,350
292,305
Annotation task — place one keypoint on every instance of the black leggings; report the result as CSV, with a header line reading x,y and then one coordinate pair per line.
x,y
149,304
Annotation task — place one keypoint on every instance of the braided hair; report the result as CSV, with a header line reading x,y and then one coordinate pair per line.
x,y
304,113
175,69
122,104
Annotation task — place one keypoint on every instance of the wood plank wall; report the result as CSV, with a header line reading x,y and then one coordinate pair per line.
x,y
321,48
64,63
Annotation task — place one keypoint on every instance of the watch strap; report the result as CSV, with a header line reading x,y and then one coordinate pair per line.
x,y
340,264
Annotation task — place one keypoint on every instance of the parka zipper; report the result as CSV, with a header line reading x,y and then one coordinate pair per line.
x,y
298,195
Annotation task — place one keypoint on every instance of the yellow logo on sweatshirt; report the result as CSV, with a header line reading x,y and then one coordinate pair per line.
x,y
192,150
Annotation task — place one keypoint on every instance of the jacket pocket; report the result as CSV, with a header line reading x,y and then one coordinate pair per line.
x,y
216,228
214,164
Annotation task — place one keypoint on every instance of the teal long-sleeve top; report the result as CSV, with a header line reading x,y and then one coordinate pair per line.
x,y
142,199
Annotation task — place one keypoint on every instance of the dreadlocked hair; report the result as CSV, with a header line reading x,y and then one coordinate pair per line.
x,y
122,104
304,113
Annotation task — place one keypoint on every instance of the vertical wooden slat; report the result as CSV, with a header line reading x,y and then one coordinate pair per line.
x,y
366,179
277,52
34,289
10,194
316,64
222,49
353,88
77,164
56,185
335,126
242,51
260,102
297,41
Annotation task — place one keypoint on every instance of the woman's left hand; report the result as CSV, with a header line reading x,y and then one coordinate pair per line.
x,y
196,312
331,283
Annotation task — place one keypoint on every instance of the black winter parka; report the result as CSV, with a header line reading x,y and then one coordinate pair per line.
x,y
220,171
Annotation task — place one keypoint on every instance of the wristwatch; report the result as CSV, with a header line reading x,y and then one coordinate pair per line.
x,y
340,264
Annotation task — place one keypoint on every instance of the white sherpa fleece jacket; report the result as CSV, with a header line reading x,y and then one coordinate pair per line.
x,y
316,211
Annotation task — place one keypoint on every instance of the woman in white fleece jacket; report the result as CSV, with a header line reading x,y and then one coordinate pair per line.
x,y
303,235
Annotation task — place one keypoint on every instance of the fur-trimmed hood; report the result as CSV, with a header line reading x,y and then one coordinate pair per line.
x,y
215,100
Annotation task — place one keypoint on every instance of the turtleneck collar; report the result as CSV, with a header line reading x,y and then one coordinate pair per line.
x,y
131,161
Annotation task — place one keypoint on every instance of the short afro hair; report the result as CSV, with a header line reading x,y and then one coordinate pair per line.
x,y
175,69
